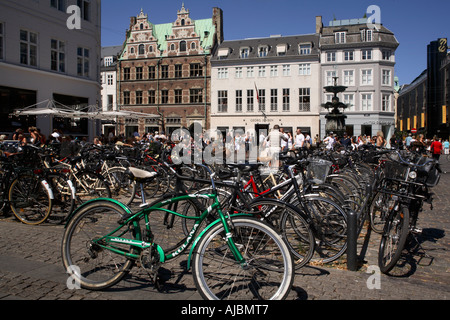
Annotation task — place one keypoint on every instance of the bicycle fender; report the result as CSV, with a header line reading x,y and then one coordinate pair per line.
x,y
120,204
47,187
206,229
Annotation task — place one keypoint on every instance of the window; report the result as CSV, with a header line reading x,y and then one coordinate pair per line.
x,y
366,54
305,49
141,49
366,101
273,100
386,102
195,95
349,101
304,96
138,97
85,6
110,79
138,73
349,56
164,96
126,97
261,100
366,35
238,100
238,72
250,73
386,54
178,70
109,106
58,56
83,62
222,73
366,77
126,73
304,69
386,77
274,71
182,46
250,100
193,46
58,4
2,34
339,37
196,70
329,78
261,72
286,100
178,94
331,56
262,51
151,72
222,100
164,71
286,70
244,53
28,48
151,96
349,79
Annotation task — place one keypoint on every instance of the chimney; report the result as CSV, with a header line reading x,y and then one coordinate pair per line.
x,y
319,24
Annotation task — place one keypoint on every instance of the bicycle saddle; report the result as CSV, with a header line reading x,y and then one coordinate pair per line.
x,y
141,175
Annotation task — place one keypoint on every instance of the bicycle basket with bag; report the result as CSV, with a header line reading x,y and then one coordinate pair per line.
x,y
318,170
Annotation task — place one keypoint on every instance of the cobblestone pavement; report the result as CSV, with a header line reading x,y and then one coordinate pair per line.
x,y
31,267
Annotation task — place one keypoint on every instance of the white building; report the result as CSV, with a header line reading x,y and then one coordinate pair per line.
x,y
258,83
41,59
363,59
108,74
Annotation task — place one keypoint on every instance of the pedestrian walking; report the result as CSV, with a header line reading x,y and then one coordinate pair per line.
x,y
436,148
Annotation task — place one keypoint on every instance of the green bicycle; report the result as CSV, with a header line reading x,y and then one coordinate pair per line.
x,y
233,257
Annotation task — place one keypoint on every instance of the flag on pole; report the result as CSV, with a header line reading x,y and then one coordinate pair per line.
x,y
257,94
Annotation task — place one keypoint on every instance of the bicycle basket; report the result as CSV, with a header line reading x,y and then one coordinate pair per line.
x,y
318,170
395,170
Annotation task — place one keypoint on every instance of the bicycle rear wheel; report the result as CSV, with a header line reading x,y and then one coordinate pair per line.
x,y
393,238
267,274
291,223
30,199
84,251
91,185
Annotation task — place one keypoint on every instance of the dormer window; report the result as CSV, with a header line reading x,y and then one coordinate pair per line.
x,y
244,52
305,48
262,51
339,37
223,53
366,35
281,49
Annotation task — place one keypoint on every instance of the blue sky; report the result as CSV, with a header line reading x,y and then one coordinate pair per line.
x,y
415,23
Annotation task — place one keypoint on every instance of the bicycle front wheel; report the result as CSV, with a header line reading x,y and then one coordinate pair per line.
x,y
30,199
393,238
268,271
94,264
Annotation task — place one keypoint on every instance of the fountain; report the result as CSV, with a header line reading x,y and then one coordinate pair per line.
x,y
335,119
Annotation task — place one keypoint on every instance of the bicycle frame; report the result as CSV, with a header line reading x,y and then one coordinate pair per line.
x,y
191,238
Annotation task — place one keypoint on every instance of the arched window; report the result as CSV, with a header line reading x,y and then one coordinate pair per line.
x,y
141,49
142,26
172,47
182,22
183,46
193,46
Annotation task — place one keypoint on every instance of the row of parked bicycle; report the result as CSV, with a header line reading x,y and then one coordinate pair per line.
x,y
307,200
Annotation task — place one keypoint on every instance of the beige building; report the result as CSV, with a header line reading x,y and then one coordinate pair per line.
x,y
42,59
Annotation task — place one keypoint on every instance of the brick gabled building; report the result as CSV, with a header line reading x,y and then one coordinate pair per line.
x,y
164,69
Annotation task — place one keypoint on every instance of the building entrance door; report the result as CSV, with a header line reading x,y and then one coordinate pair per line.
x,y
261,129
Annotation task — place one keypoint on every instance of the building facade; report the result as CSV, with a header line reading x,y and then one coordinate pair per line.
x,y
164,69
41,59
423,104
362,57
259,83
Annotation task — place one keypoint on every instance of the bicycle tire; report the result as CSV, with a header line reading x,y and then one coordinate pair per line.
x,y
121,184
293,226
380,207
218,276
30,199
80,252
393,239
63,197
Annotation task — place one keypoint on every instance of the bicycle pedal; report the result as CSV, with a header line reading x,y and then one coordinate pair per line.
x,y
417,230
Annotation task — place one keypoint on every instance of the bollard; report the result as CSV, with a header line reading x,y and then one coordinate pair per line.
x,y
352,240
